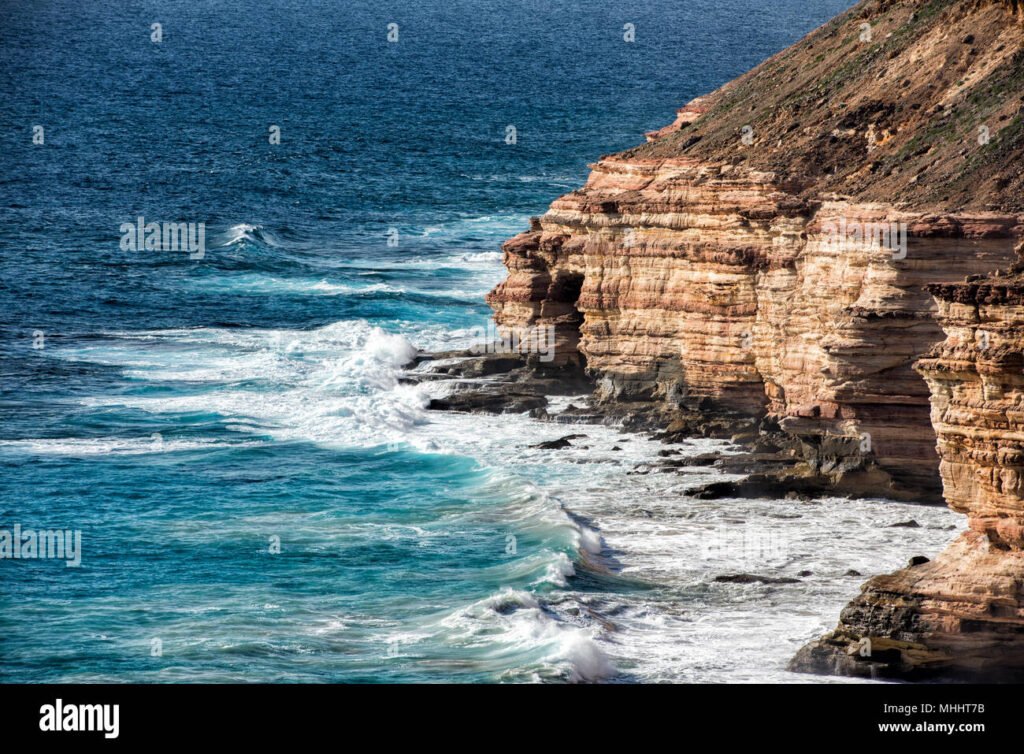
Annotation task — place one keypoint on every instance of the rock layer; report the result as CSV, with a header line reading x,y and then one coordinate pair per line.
x,y
961,614
770,254
711,285
703,269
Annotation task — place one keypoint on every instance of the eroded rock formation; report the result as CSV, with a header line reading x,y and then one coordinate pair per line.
x,y
710,284
770,254
963,613
703,268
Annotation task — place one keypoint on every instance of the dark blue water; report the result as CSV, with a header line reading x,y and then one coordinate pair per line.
x,y
186,414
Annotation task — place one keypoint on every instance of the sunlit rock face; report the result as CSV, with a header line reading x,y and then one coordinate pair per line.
x,y
787,249
678,281
962,613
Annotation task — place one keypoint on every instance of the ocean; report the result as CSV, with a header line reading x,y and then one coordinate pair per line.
x,y
260,496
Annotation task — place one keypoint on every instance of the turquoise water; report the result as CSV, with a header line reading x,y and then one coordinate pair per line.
x,y
192,416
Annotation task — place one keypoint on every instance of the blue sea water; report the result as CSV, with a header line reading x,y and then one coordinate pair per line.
x,y
189,415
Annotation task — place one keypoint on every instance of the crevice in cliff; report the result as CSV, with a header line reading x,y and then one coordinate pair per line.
x,y
561,309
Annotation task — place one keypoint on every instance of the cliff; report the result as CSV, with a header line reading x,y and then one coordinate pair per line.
x,y
767,253
961,614
787,249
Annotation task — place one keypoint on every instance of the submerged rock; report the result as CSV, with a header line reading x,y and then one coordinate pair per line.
x,y
748,578
561,442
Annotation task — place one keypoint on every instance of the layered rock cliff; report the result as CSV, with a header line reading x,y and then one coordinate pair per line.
x,y
961,614
774,253
743,260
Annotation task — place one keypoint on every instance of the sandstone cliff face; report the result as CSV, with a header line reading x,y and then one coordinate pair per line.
x,y
703,269
962,613
769,253
709,284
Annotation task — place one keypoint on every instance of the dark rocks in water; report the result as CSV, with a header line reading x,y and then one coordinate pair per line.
x,y
561,442
779,479
488,402
918,560
853,572
749,578
750,463
484,366
802,574
768,465
685,424
874,658
714,491
492,383
758,486
495,383
911,524
704,459
616,447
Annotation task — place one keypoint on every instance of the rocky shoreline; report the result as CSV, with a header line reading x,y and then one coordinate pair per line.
x,y
902,626
961,615
784,266
772,463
